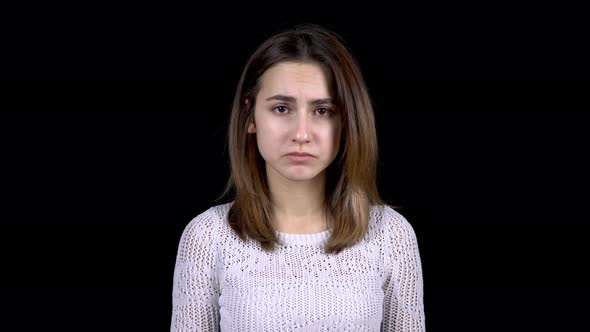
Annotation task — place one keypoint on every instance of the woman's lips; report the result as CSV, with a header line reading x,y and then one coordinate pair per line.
x,y
299,157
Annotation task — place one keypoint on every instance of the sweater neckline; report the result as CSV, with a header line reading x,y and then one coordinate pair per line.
x,y
304,239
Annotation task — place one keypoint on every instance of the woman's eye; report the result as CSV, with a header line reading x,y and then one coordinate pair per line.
x,y
323,111
280,108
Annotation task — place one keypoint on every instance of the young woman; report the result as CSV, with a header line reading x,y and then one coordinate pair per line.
x,y
307,244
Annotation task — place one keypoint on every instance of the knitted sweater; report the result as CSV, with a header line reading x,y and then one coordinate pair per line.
x,y
222,283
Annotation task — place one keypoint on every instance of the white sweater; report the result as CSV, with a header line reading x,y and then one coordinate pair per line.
x,y
224,284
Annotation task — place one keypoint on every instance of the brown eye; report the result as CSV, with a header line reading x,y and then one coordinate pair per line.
x,y
280,109
323,111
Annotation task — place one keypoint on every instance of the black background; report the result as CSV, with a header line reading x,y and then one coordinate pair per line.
x,y
101,176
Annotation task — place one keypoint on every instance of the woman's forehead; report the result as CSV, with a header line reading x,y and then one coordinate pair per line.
x,y
295,79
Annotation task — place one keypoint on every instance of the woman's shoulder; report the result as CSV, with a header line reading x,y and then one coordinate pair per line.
x,y
209,220
386,217
211,217
386,213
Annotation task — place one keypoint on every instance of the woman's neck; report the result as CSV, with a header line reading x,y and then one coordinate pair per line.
x,y
298,206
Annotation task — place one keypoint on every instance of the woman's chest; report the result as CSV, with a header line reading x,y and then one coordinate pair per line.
x,y
302,292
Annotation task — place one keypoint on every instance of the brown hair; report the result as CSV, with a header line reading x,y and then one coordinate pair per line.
x,y
351,186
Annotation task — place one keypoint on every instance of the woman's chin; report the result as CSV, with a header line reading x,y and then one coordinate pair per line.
x,y
300,175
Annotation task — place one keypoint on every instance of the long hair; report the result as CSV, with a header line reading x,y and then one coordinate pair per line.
x,y
351,186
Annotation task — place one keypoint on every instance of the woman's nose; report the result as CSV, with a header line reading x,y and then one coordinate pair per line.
x,y
302,128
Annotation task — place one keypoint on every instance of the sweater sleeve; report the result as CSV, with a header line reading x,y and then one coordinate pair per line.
x,y
195,285
403,307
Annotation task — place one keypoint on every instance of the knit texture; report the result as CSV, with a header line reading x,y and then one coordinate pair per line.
x,y
222,283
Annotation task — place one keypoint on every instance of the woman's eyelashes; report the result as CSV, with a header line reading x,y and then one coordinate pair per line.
x,y
321,111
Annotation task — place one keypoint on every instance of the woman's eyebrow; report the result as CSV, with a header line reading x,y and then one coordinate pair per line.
x,y
290,99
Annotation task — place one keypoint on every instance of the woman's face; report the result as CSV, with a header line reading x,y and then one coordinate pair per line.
x,y
294,113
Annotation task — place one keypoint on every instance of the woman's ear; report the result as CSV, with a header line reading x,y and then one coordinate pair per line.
x,y
251,125
251,128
